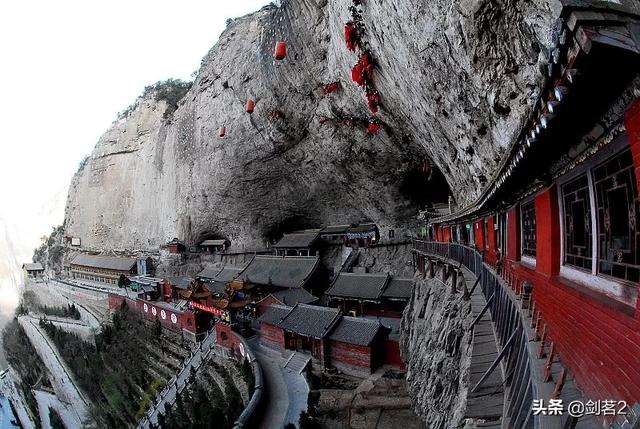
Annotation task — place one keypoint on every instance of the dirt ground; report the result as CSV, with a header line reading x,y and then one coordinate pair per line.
x,y
380,401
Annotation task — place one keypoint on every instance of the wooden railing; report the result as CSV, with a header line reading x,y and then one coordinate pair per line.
x,y
510,329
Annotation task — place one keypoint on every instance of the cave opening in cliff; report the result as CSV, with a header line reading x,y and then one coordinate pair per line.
x,y
286,226
208,236
424,185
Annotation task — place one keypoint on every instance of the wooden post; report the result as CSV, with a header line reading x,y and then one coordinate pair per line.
x,y
549,363
559,384
543,338
537,328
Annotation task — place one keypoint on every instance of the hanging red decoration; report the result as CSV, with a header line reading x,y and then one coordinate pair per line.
x,y
331,87
373,99
374,127
222,131
350,36
281,50
366,63
250,105
357,74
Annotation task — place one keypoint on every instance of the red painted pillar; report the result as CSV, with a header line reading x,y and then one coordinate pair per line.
x,y
446,234
547,233
513,234
437,232
478,228
492,242
632,125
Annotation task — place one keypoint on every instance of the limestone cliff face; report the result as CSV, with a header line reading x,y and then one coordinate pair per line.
x,y
456,80
435,344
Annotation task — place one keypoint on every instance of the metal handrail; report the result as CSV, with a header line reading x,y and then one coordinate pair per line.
x,y
509,328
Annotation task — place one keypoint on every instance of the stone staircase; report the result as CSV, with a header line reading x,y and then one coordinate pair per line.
x,y
351,260
297,362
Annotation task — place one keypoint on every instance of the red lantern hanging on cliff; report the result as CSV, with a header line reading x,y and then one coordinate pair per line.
x,y
250,105
350,36
374,127
222,131
373,99
357,74
281,50
331,87
366,62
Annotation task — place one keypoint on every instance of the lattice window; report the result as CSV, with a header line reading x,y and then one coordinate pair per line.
x,y
617,214
577,223
528,225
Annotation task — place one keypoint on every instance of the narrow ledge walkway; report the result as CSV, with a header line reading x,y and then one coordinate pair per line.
x,y
487,402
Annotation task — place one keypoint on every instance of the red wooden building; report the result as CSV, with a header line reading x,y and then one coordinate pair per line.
x,y
176,246
353,345
289,297
562,213
170,316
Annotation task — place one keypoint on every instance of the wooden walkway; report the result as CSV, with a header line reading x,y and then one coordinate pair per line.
x,y
487,402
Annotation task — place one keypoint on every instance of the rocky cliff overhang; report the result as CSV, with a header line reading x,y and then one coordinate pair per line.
x,y
592,75
455,83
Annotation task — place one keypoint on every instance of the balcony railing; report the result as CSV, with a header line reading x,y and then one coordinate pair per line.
x,y
509,324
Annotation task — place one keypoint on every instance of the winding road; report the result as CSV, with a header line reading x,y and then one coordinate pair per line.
x,y
63,384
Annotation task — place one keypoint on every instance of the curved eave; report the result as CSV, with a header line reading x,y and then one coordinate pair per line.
x,y
586,36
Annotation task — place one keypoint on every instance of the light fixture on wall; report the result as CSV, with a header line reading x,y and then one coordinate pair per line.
x,y
560,92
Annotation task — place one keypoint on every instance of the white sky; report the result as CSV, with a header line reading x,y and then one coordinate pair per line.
x,y
67,67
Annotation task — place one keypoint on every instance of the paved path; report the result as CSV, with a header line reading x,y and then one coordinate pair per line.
x,y
286,391
63,383
86,314
298,391
66,413
8,387
177,384
276,396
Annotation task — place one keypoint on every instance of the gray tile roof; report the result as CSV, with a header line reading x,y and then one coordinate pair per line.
x,y
104,262
399,288
226,274
285,272
180,282
275,314
217,288
363,286
363,227
220,242
36,266
294,296
334,229
356,330
310,320
298,240
208,272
